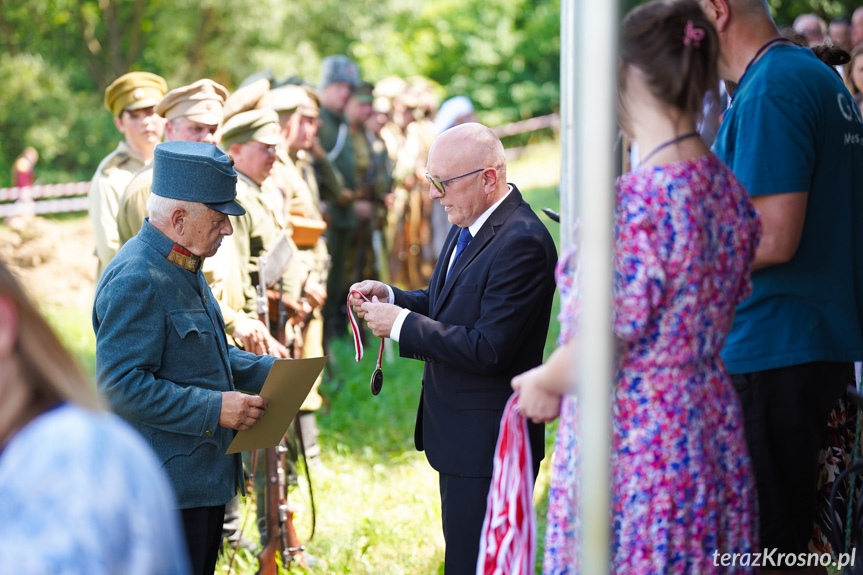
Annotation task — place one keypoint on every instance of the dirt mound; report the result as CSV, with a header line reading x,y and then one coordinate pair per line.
x,y
53,258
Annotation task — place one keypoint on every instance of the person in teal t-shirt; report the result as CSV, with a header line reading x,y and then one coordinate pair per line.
x,y
794,138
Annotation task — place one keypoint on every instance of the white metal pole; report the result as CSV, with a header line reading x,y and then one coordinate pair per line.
x,y
568,168
594,93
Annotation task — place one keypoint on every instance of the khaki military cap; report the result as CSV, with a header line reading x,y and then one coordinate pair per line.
x,y
255,125
391,87
290,99
134,91
248,97
200,102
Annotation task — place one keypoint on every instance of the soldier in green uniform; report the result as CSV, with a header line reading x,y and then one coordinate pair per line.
x,y
193,114
298,112
252,138
131,99
339,77
369,176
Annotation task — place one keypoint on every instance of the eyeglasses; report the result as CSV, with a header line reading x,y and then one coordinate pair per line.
x,y
439,183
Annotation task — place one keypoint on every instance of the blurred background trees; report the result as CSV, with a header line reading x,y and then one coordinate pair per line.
x,y
58,56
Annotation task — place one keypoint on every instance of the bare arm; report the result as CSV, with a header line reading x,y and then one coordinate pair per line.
x,y
782,218
541,388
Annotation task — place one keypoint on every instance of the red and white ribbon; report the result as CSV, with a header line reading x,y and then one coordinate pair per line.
x,y
508,540
355,328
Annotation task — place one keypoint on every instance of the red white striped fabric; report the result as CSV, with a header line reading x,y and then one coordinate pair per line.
x,y
355,329
508,542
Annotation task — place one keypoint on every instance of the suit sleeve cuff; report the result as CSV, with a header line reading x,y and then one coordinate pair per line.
x,y
396,330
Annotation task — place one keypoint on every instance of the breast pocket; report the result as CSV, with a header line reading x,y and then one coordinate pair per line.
x,y
192,352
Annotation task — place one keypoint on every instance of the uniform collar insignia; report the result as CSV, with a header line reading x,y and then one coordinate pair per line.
x,y
184,258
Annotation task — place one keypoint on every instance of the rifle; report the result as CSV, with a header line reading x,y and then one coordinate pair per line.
x,y
281,536
283,317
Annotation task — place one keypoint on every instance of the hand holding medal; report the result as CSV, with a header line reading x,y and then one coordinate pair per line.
x,y
377,381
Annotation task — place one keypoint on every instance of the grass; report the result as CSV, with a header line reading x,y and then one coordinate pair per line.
x,y
377,499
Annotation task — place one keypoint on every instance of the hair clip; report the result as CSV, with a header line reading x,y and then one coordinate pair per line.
x,y
692,35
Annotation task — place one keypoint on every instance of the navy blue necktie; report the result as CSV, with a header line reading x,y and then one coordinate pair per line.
x,y
464,238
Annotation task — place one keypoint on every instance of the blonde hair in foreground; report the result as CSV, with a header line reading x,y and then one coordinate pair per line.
x,y
40,370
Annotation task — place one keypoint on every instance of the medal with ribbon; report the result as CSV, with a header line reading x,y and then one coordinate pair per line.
x,y
377,381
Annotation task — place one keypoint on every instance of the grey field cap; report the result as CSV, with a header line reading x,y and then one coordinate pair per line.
x,y
196,172
339,68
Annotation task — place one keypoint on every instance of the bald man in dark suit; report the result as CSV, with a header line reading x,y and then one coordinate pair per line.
x,y
482,320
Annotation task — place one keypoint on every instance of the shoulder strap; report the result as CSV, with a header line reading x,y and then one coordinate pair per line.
x,y
340,142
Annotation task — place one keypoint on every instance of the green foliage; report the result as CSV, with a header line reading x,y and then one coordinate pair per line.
x,y
59,55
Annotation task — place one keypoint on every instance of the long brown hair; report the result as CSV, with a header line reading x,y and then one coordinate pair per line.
x,y
40,366
676,47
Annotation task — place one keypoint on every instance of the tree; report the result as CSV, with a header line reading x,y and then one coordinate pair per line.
x,y
59,55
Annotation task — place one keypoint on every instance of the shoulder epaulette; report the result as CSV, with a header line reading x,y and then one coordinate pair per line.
x,y
117,159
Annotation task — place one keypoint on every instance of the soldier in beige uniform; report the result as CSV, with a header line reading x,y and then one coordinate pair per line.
x,y
131,98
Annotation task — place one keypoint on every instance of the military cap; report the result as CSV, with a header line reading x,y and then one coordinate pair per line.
x,y
339,68
382,105
134,91
255,125
196,172
201,102
363,93
291,98
391,87
245,98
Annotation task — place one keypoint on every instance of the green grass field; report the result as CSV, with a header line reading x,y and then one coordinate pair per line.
x,y
376,497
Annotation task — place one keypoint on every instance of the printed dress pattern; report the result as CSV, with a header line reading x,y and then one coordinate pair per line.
x,y
682,485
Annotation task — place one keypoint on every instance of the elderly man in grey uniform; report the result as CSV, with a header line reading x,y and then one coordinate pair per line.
x,y
162,360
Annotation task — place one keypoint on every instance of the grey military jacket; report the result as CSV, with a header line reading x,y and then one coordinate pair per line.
x,y
162,362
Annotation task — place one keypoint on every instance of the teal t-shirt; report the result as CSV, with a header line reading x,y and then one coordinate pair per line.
x,y
793,127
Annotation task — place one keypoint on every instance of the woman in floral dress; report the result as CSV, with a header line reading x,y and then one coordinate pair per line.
x,y
683,492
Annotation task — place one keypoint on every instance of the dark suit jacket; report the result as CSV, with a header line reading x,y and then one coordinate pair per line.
x,y
476,329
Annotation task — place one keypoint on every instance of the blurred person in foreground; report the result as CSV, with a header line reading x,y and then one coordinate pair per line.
x,y
162,360
685,235
791,136
482,320
132,100
93,501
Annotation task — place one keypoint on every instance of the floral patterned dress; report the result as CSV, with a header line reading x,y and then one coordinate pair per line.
x,y
682,485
